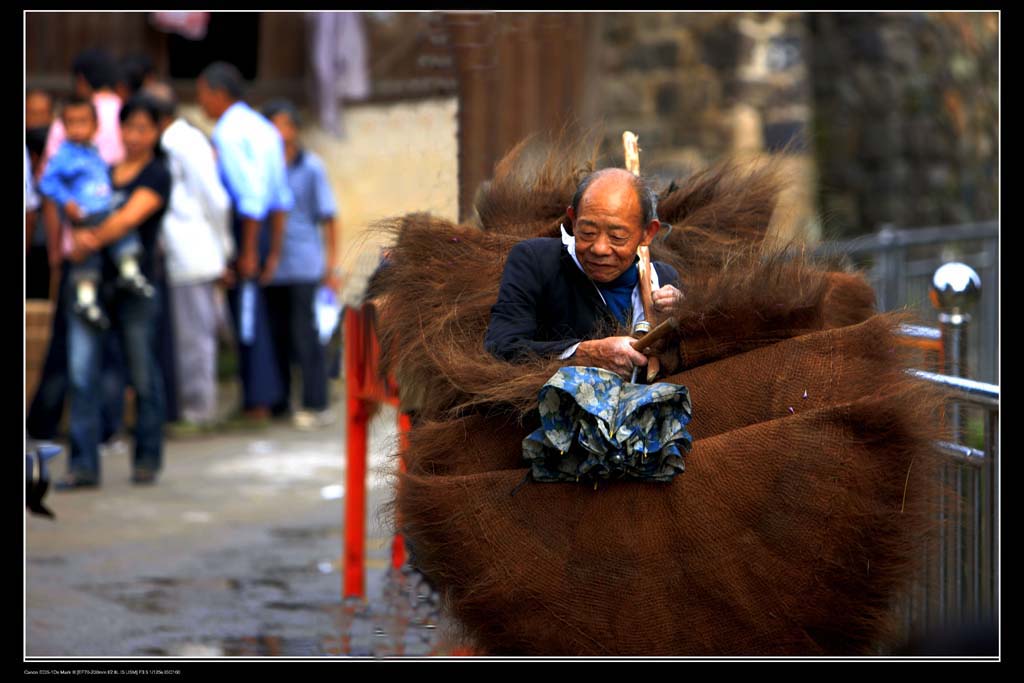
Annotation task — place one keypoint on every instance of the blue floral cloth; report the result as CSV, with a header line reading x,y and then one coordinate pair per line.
x,y
595,425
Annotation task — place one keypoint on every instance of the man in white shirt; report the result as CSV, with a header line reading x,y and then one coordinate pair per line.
x,y
198,244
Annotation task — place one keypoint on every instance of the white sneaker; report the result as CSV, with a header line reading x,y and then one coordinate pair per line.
x,y
309,419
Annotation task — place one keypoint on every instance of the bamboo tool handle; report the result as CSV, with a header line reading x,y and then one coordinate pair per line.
x,y
655,335
630,143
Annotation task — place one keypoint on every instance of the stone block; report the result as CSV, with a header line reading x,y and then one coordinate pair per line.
x,y
657,55
940,177
668,99
720,47
790,134
881,139
624,96
619,27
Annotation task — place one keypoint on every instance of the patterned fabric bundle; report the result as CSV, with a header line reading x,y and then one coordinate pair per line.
x,y
596,426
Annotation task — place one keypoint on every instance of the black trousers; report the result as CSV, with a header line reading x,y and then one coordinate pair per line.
x,y
293,324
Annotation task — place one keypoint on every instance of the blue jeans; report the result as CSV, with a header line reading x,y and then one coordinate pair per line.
x,y
134,319
44,415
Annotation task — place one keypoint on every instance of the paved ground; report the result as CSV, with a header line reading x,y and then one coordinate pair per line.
x,y
235,552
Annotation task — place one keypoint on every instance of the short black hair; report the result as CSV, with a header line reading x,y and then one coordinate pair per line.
x,y
644,193
285,106
141,102
97,67
226,77
133,70
76,101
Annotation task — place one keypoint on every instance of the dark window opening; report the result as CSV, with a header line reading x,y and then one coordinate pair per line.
x,y
231,37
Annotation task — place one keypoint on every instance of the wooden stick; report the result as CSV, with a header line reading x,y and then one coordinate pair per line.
x,y
630,143
655,335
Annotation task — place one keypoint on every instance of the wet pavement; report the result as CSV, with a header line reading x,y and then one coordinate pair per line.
x,y
235,552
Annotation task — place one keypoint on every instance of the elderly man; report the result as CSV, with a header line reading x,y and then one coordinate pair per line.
x,y
561,297
250,153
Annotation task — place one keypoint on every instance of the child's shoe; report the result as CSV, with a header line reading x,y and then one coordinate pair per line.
x,y
136,284
92,314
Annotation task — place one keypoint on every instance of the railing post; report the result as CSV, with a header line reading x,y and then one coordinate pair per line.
x,y
887,269
955,289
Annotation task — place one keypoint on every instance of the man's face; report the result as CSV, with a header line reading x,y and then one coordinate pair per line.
x,y
79,123
208,98
609,227
38,110
285,126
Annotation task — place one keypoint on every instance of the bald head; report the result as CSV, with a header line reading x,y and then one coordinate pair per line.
x,y
618,178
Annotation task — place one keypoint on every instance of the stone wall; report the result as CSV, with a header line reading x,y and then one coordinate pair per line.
x,y
906,118
697,87
885,117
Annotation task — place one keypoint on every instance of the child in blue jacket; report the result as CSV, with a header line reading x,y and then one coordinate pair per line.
x,y
78,181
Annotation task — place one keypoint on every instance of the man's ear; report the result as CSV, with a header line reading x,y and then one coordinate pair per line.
x,y
571,215
649,232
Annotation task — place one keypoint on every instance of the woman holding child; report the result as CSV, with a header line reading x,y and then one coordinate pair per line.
x,y
140,186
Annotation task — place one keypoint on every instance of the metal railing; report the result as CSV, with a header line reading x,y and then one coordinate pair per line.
x,y
959,584
900,264
960,581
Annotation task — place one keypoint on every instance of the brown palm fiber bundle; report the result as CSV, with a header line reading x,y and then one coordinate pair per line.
x,y
797,521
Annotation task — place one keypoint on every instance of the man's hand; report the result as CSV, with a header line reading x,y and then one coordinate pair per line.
x,y
331,279
269,268
666,299
73,212
248,265
228,278
612,353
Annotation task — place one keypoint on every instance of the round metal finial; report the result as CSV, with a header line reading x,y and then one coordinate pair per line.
x,y
955,288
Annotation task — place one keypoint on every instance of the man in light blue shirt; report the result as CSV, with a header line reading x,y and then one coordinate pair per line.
x,y
303,267
250,156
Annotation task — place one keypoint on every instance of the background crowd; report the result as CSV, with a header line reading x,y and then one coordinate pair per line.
x,y
161,248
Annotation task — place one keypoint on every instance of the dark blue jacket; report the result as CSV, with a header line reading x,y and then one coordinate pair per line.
x,y
546,303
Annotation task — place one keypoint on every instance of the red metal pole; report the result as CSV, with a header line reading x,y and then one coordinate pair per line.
x,y
355,494
398,545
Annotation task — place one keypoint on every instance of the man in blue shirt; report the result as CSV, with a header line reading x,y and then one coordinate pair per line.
x,y
302,269
250,156
78,181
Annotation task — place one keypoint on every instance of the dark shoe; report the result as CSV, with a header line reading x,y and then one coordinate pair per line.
x,y
138,285
72,482
92,314
141,476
